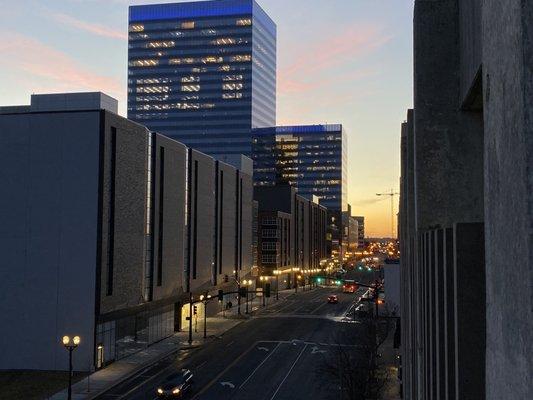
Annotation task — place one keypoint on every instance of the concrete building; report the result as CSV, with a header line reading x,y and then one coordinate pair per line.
x,y
466,188
203,73
101,231
292,231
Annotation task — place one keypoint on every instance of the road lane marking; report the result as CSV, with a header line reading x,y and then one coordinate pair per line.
x,y
288,373
259,366
317,308
263,348
230,343
217,378
228,384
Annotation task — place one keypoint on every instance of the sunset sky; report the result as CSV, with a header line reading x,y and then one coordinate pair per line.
x,y
339,61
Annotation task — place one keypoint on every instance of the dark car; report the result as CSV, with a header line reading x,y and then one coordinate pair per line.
x,y
176,385
333,299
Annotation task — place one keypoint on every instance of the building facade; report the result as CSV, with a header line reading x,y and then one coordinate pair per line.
x,y
106,228
360,231
466,188
311,158
203,73
292,231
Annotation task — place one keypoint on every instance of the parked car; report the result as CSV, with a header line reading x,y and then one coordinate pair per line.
x,y
176,385
333,299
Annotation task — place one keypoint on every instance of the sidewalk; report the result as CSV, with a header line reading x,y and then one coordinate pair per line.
x,y
389,364
100,381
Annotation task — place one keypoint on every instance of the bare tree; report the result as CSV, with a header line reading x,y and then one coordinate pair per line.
x,y
354,361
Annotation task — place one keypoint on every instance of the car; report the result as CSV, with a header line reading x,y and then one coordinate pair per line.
x,y
176,385
333,299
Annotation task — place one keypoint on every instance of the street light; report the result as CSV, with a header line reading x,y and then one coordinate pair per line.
x,y
205,299
70,345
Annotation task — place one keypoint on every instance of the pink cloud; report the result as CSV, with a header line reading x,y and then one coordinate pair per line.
x,y
35,63
316,65
96,29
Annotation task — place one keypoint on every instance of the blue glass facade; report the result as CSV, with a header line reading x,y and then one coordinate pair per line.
x,y
312,158
203,73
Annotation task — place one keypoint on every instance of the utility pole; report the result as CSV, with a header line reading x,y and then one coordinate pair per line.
x,y
391,194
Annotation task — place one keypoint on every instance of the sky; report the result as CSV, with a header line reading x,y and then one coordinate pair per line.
x,y
339,61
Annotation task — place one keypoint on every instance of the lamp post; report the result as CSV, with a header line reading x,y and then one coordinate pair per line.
x,y
205,299
246,283
70,345
276,272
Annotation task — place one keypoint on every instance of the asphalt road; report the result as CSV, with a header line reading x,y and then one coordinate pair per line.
x,y
279,354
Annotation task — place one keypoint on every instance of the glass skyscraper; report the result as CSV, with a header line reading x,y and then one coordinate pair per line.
x,y
203,73
312,158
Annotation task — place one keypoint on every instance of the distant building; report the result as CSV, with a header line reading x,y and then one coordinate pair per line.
x,y
292,231
361,231
313,159
203,73
106,228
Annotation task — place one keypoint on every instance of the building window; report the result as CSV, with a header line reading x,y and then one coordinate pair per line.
x,y
165,43
144,63
241,58
270,233
269,258
190,88
136,28
187,25
269,221
224,41
269,246
244,22
111,212
232,86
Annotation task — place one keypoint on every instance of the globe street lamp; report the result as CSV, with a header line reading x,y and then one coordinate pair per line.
x,y
70,345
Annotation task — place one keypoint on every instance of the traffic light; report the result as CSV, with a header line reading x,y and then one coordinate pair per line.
x,y
195,310
267,290
220,295
338,282
319,280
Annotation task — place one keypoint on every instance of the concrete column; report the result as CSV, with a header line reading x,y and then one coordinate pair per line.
x,y
449,320
439,315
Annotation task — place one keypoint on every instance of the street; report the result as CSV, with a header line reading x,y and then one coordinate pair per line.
x,y
278,354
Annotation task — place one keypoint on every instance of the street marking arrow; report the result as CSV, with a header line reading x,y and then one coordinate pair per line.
x,y
316,350
228,384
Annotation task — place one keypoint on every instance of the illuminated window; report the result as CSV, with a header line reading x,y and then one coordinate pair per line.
x,y
190,88
153,89
244,22
211,59
198,70
232,86
228,78
269,221
241,58
209,32
166,43
269,258
223,41
188,60
207,105
233,95
188,79
187,25
143,63
136,28
224,68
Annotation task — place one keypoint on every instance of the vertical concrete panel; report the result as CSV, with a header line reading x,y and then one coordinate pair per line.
x,y
173,217
508,113
449,308
48,236
129,213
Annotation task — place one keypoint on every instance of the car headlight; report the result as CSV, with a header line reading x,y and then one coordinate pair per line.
x,y
176,391
160,391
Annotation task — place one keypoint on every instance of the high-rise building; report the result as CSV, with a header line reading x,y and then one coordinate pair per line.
x,y
203,73
360,231
310,157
